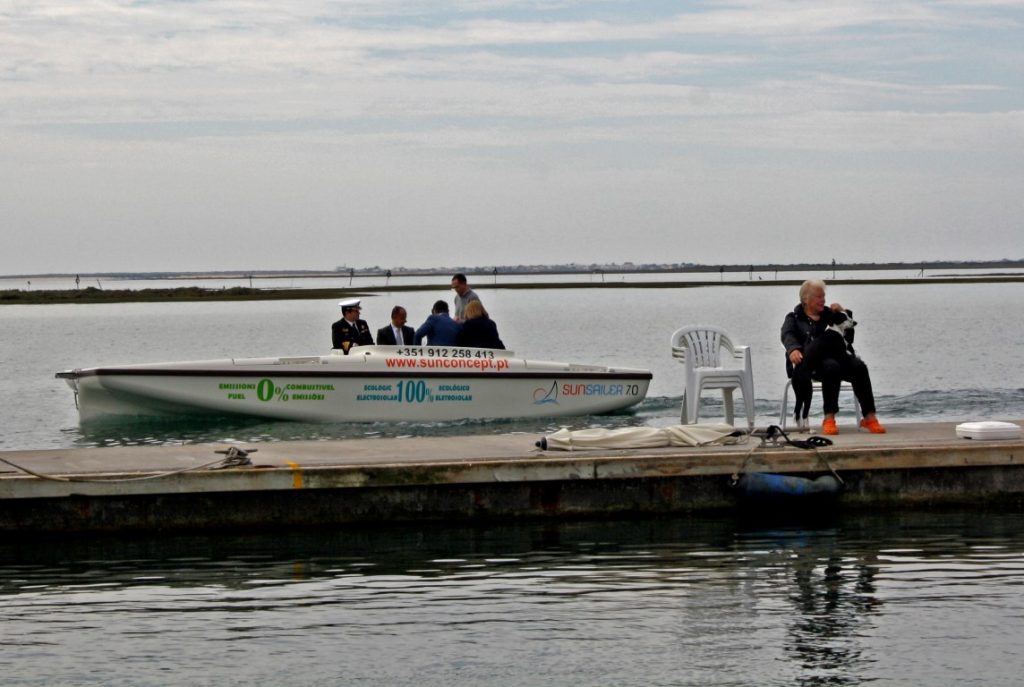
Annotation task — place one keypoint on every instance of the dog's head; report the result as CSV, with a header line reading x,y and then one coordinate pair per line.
x,y
842,321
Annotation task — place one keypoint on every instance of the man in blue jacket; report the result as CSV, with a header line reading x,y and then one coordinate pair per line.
x,y
439,329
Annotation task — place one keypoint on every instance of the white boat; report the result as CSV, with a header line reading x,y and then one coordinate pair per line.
x,y
371,383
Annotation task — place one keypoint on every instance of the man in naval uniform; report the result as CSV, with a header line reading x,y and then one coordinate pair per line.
x,y
350,330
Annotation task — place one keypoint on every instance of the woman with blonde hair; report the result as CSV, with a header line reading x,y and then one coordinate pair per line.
x,y
478,329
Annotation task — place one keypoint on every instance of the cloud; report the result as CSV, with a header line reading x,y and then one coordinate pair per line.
x,y
499,114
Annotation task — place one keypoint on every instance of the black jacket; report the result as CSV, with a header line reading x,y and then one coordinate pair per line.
x,y
798,330
357,333
480,332
386,336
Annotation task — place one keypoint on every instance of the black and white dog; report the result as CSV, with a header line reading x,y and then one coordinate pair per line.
x,y
834,343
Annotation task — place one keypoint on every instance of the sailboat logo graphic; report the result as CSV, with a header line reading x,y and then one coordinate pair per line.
x,y
543,396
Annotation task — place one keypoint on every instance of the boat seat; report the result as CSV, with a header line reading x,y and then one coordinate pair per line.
x,y
816,385
699,348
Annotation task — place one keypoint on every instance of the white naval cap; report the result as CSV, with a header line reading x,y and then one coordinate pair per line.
x,y
350,303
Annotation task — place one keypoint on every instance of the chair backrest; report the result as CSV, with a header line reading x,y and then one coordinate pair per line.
x,y
701,344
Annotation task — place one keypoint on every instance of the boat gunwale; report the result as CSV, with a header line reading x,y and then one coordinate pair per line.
x,y
290,371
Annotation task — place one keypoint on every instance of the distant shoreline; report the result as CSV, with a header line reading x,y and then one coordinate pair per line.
x,y
239,293
538,270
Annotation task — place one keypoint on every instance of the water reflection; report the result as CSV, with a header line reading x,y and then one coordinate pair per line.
x,y
653,411
659,601
132,431
833,597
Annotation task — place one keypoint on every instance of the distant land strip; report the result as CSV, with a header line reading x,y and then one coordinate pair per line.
x,y
240,293
540,270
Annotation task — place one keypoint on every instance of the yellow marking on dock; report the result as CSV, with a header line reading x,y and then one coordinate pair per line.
x,y
296,474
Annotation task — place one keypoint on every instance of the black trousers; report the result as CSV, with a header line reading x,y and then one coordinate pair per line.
x,y
831,373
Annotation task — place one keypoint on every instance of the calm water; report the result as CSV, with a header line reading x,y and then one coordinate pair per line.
x,y
901,599
893,599
937,352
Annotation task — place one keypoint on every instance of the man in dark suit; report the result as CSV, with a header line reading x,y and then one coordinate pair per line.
x,y
350,330
397,334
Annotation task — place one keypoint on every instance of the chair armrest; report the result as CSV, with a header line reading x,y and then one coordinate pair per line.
x,y
742,353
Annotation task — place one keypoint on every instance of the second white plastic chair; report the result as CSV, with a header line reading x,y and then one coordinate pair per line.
x,y
699,348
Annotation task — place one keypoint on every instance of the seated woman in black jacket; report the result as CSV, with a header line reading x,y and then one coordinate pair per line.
x,y
800,331
478,330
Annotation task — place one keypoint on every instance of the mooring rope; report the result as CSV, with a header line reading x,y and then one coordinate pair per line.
x,y
773,433
235,457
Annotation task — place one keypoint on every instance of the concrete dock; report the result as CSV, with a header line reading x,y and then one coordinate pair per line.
x,y
309,483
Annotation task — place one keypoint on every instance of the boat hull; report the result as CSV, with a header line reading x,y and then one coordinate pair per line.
x,y
373,384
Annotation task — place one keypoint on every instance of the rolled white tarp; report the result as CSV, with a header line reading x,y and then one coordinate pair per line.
x,y
705,435
641,437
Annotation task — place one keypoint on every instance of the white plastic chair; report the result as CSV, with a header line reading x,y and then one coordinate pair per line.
x,y
698,347
784,414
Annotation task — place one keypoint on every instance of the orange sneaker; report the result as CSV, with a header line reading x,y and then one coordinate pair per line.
x,y
829,426
873,426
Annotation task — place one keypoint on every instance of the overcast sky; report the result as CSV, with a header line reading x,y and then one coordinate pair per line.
x,y
159,135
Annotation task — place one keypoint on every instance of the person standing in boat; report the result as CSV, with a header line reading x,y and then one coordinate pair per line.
x,y
439,329
808,321
479,330
463,295
350,330
396,333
